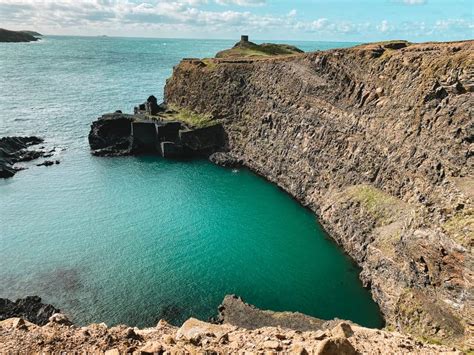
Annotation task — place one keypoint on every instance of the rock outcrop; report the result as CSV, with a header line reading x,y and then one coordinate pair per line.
x,y
29,308
377,141
195,336
235,311
15,150
118,134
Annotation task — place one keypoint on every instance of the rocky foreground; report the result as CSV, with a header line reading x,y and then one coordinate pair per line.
x,y
378,141
274,334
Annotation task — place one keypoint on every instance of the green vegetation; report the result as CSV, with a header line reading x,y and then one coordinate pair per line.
x,y
461,228
189,117
384,208
249,49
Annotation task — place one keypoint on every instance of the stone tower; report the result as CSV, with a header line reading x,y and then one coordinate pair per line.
x,y
244,38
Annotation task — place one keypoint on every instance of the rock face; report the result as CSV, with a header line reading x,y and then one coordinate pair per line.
x,y
29,308
110,135
14,150
195,336
377,141
16,36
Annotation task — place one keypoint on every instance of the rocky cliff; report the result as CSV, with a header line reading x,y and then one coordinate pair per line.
x,y
376,140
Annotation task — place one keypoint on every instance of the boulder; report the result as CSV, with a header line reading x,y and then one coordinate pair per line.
x,y
335,346
194,330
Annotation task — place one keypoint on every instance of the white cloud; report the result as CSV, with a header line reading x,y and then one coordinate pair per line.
x,y
189,17
414,2
384,26
241,2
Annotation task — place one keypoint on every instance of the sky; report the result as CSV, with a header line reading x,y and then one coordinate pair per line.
x,y
317,20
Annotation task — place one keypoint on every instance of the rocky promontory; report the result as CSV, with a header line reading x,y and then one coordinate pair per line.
x,y
18,36
156,129
377,141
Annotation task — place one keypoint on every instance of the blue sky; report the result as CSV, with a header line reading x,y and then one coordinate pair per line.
x,y
320,20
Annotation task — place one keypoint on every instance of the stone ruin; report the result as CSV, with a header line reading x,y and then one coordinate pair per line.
x,y
149,107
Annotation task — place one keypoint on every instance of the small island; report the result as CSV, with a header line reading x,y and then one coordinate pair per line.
x,y
18,36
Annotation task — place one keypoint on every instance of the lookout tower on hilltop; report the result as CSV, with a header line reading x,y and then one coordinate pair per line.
x,y
244,38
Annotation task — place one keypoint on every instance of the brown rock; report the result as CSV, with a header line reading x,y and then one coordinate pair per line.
x,y
335,346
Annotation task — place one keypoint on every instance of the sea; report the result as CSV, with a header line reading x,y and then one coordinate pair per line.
x,y
136,239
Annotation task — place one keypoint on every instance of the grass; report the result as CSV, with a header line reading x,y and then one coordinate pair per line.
x,y
383,207
461,228
189,117
249,49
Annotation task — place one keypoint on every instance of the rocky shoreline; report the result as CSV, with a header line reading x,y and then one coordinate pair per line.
x,y
15,150
242,328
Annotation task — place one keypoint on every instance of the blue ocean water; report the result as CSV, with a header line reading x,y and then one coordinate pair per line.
x,y
135,239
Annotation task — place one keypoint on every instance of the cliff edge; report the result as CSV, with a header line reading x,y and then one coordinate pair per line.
x,y
273,335
377,140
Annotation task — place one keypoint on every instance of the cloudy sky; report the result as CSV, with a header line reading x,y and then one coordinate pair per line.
x,y
331,20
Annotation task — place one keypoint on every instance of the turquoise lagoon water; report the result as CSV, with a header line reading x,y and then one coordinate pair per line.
x,y
135,239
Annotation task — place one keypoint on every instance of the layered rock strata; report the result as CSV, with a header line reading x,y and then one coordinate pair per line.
x,y
377,140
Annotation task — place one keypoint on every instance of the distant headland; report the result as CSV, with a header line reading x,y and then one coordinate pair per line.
x,y
18,36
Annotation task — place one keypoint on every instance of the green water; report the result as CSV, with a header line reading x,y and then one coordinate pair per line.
x,y
135,239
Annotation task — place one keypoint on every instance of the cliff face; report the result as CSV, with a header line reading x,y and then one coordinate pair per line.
x,y
377,140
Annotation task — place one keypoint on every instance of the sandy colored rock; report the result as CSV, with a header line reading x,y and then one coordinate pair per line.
x,y
335,346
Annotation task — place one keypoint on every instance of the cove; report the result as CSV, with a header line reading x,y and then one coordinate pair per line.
x,y
135,239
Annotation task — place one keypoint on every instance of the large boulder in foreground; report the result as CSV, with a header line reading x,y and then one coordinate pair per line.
x,y
29,308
